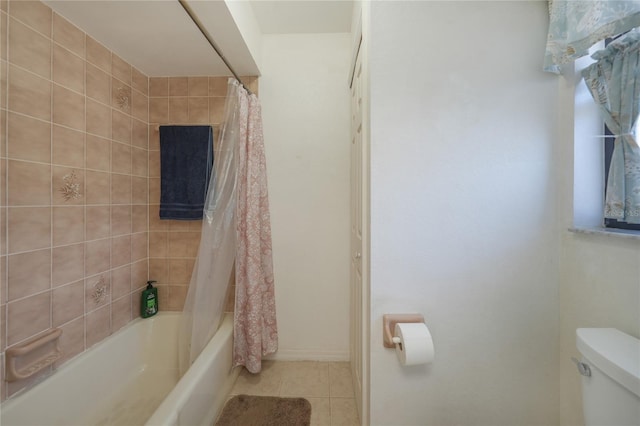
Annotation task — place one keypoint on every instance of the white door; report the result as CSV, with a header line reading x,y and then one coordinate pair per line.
x,y
359,294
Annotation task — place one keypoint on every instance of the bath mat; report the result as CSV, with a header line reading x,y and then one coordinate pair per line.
x,y
249,410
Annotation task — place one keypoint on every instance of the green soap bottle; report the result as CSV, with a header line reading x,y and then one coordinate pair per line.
x,y
149,301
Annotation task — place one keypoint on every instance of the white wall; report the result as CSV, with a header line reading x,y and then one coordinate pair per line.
x,y
599,275
305,99
463,211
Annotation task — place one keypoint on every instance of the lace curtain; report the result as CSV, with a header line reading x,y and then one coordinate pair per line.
x,y
576,25
614,82
255,329
236,227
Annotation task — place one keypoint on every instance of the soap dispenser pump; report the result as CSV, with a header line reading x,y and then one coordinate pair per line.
x,y
149,301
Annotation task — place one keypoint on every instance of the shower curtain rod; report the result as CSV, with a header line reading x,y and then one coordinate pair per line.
x,y
213,44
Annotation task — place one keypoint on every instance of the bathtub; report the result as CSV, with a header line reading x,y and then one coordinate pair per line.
x,y
131,378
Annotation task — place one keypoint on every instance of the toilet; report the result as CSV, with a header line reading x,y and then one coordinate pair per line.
x,y
610,369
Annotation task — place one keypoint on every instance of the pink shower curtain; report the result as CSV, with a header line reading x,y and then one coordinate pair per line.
x,y
255,329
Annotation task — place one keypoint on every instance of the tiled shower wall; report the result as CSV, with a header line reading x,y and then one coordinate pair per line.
x,y
173,244
79,182
74,160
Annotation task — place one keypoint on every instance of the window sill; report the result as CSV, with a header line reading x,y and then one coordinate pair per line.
x,y
608,232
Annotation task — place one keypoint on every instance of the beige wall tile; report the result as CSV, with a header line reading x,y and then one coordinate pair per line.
x,y
159,110
98,153
178,225
121,127
29,228
120,282
97,256
29,49
28,317
139,218
98,186
3,81
178,86
3,327
121,312
140,106
29,94
139,246
4,19
98,84
120,96
29,139
183,244
97,291
120,158
159,271
29,273
180,271
198,86
68,147
72,340
158,244
68,35
154,164
67,264
218,86
139,191
198,110
68,108
139,81
98,55
67,303
120,250
139,165
139,134
120,189
98,119
68,186
28,183
178,110
139,274
251,83
177,295
98,325
68,225
216,110
120,69
68,69
155,223
33,13
154,137
98,222
120,220
158,86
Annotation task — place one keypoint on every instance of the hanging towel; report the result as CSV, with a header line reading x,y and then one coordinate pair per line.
x,y
186,160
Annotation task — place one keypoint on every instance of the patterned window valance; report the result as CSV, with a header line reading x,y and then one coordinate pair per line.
x,y
576,25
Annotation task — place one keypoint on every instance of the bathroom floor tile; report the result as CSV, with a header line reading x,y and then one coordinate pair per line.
x,y
326,385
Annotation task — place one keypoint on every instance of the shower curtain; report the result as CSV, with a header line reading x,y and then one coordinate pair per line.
x,y
235,224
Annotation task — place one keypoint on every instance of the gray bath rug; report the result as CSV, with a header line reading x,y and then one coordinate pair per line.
x,y
249,410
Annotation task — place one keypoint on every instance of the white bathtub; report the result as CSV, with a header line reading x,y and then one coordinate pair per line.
x,y
131,378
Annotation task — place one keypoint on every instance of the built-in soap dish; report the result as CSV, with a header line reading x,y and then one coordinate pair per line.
x,y
28,358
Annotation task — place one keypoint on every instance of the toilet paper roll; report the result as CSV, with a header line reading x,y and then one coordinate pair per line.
x,y
416,345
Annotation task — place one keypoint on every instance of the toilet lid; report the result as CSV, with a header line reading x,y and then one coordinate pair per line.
x,y
614,353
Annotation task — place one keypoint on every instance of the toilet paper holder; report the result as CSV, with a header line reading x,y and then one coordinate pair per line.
x,y
389,322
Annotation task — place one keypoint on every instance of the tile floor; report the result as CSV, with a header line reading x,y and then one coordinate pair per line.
x,y
326,385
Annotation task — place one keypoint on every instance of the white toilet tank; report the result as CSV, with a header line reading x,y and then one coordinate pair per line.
x,y
611,394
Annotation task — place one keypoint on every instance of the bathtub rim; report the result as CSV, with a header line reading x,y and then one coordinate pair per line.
x,y
167,413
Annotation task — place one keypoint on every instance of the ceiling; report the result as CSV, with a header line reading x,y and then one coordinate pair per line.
x,y
159,38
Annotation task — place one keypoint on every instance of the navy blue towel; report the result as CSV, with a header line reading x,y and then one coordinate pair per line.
x,y
186,160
